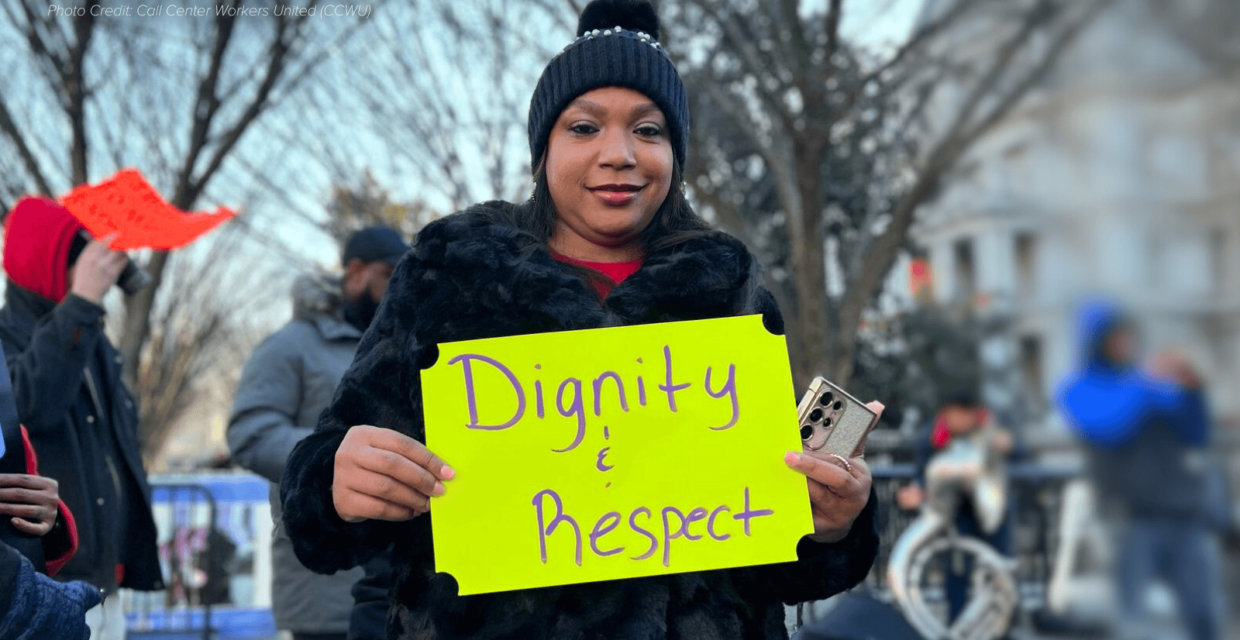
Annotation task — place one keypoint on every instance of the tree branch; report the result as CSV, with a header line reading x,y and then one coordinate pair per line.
x,y
49,60
1036,17
730,219
75,90
882,254
799,50
32,166
206,105
278,51
956,11
1036,75
734,33
832,23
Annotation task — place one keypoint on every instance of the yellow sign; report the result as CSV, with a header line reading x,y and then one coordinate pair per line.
x,y
614,453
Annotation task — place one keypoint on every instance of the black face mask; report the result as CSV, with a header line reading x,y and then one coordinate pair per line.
x,y
361,312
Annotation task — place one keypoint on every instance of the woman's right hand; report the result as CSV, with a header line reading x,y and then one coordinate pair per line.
x,y
381,474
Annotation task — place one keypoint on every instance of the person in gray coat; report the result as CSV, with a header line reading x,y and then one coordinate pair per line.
x,y
290,378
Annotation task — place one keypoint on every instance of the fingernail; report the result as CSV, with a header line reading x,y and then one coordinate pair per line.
x,y
438,490
446,472
792,458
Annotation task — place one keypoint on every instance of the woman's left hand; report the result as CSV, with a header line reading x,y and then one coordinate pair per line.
x,y
32,501
838,490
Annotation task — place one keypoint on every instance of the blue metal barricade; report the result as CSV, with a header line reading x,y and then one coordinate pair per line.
x,y
214,531
191,556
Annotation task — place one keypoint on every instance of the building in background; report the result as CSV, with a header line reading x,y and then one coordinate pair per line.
x,y
1120,174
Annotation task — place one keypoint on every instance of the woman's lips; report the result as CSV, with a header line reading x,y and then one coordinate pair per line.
x,y
616,195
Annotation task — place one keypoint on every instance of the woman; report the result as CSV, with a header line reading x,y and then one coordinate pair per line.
x,y
607,239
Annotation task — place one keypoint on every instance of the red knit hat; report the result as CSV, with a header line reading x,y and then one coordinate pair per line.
x,y
37,236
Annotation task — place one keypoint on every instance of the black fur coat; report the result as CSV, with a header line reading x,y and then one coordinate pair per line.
x,y
475,275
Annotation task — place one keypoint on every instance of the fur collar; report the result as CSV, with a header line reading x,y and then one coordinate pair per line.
x,y
497,270
317,301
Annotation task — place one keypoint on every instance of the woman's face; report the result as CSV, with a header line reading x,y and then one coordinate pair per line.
x,y
609,169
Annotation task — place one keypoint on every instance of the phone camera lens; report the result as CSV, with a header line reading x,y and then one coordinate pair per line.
x,y
826,399
815,415
837,406
806,432
827,422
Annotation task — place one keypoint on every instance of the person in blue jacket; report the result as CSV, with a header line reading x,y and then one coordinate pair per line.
x,y
34,606
1145,432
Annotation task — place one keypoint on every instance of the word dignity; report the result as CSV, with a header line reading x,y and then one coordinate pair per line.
x,y
570,393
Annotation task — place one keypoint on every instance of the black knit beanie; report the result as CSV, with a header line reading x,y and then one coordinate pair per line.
x,y
617,45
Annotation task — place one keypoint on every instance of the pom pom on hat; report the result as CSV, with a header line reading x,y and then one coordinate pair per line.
x,y
635,15
617,45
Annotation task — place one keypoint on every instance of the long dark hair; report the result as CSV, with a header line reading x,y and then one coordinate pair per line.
x,y
674,223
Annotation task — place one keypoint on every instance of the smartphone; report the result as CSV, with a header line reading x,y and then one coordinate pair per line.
x,y
833,421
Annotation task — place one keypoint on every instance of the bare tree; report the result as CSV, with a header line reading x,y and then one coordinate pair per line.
x,y
815,131
445,93
203,327
175,96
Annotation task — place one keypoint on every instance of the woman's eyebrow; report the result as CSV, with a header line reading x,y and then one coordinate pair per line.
x,y
597,110
593,108
645,109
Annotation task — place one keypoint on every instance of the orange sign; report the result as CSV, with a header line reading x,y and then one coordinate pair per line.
x,y
128,206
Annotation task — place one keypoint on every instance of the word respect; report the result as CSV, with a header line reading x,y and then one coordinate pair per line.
x,y
570,393
670,524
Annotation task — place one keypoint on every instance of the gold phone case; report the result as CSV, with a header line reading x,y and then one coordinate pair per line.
x,y
832,421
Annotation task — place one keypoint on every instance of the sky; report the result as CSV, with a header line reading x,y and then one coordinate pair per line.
x,y
876,22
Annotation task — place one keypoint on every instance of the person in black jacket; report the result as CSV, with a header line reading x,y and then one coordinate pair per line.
x,y
67,383
608,239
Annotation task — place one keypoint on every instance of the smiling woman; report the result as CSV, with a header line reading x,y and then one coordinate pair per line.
x,y
607,239
609,169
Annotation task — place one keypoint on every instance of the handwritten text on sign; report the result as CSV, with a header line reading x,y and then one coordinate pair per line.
x,y
614,453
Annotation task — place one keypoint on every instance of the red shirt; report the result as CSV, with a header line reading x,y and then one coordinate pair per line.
x,y
613,272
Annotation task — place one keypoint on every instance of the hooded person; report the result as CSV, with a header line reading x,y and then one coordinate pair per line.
x,y
1132,421
607,239
287,382
1144,436
69,393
